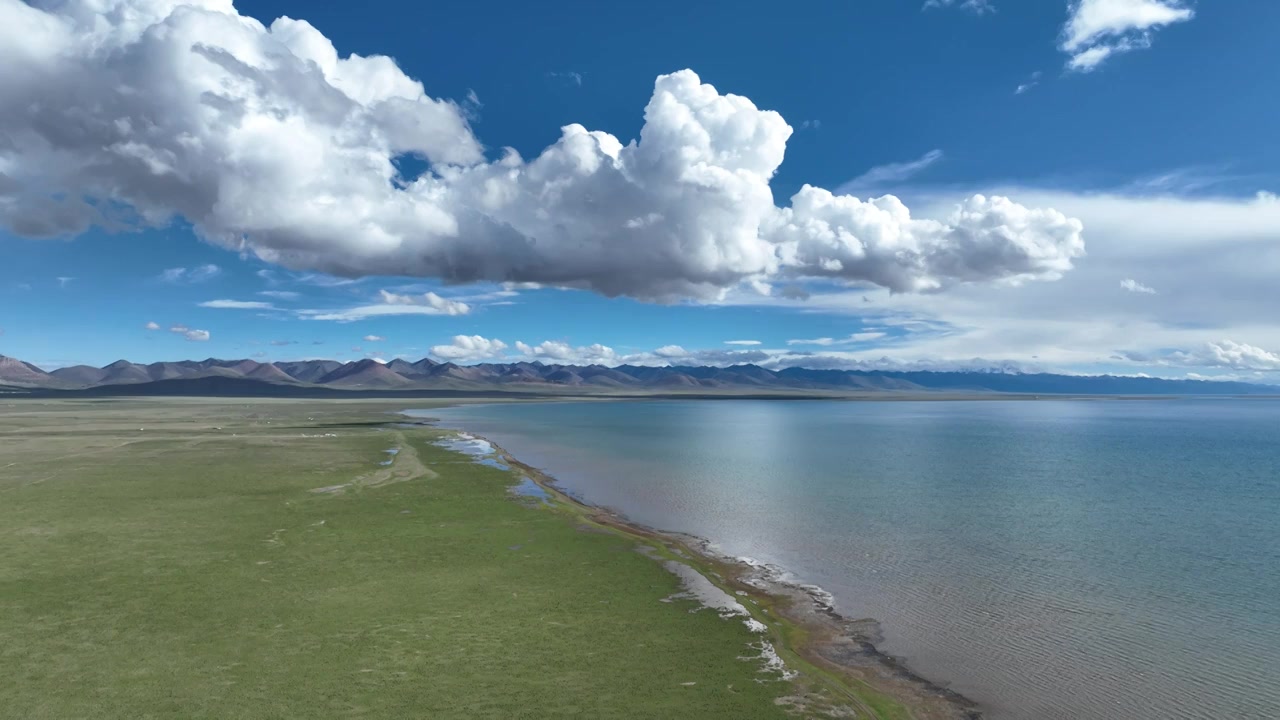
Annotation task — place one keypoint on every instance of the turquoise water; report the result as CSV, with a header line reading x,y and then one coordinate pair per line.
x,y
1051,559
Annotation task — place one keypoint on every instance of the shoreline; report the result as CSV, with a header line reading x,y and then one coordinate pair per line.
x,y
808,632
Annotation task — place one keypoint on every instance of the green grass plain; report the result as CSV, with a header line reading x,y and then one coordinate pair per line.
x,y
170,559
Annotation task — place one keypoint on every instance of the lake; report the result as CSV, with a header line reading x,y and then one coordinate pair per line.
x,y
1049,559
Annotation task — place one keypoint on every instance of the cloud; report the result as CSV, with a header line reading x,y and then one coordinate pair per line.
x,y
237,305
280,294
1099,29
860,337
572,78
561,352
189,334
324,280
373,338
428,299
474,349
393,304
282,343
469,347
1031,82
270,143
153,326
890,174
794,292
64,281
742,342
1213,260
1134,286
190,275
1225,354
984,239
977,7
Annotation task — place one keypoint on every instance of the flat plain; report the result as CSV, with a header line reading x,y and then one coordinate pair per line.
x,y
271,559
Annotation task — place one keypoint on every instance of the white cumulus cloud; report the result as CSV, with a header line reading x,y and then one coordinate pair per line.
x,y
1098,29
189,334
271,143
1224,354
153,326
469,347
373,338
1238,356
562,352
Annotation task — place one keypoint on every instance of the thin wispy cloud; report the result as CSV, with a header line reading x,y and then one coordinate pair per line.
x,y
237,305
977,7
1134,286
324,280
889,175
196,274
570,77
861,337
1031,82
392,304
742,342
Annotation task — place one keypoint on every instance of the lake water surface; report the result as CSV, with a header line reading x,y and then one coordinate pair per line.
x,y
1049,559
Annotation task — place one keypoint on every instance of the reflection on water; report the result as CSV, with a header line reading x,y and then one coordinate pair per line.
x,y
1054,559
529,488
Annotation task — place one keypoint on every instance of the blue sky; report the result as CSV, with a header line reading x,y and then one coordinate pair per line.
x,y
1131,137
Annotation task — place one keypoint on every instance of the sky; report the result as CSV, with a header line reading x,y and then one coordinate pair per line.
x,y
1079,187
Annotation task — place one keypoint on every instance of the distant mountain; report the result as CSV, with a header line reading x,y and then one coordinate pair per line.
x,y
366,374
123,371
80,375
308,370
14,372
266,372
321,378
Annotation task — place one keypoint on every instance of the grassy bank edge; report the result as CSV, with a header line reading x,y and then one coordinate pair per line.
x,y
791,639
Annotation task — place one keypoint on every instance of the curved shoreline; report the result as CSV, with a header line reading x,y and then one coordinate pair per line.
x,y
802,615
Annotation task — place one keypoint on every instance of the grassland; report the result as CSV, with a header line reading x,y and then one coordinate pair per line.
x,y
218,559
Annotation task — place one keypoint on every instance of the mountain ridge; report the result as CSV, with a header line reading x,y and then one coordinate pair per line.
x,y
367,375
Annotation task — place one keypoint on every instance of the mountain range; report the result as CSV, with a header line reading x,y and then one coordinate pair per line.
x,y
300,377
